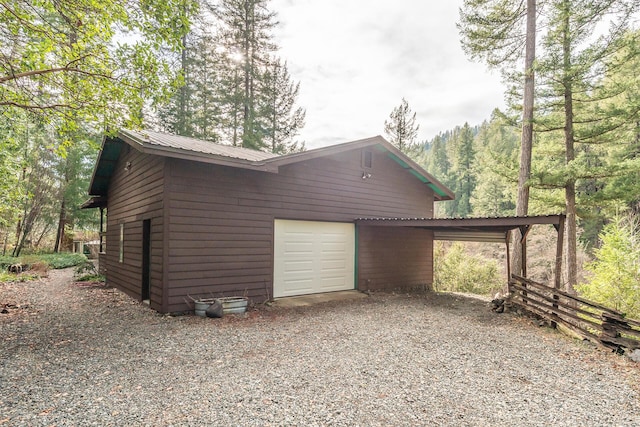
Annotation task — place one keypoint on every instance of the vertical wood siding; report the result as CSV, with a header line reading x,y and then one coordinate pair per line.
x,y
220,231
394,258
136,195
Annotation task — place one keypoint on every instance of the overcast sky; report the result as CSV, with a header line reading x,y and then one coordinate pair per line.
x,y
357,59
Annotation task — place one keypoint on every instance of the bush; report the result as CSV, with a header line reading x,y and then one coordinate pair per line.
x,y
614,275
87,272
457,271
55,261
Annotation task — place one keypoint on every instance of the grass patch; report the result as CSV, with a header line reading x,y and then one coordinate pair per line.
x,y
55,261
23,277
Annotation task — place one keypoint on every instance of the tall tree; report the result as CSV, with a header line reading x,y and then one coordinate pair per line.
x,y
246,26
499,32
463,168
496,146
401,127
574,61
60,57
279,118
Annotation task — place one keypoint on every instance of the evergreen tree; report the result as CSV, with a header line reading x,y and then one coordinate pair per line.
x,y
401,127
246,27
496,167
280,120
500,32
615,273
463,169
572,65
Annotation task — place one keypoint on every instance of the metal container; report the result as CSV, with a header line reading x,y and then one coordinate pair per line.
x,y
233,305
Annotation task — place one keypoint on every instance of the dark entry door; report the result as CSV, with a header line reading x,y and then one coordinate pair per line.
x,y
146,259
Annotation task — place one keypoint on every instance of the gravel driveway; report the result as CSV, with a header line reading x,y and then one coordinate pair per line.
x,y
91,356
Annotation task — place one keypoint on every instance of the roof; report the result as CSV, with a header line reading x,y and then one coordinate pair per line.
x,y
176,144
181,147
486,229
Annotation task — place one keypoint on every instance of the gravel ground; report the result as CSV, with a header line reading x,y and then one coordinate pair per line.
x,y
86,355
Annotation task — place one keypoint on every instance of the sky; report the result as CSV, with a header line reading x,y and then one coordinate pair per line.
x,y
356,59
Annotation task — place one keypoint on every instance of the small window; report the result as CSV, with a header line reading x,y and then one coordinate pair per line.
x,y
121,253
367,159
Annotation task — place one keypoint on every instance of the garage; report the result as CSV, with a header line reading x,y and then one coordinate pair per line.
x,y
312,257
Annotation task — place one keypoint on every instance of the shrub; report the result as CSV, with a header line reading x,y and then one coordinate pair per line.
x,y
87,272
457,271
55,261
614,275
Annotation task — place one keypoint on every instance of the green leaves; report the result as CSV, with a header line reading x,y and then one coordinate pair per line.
x,y
614,278
63,62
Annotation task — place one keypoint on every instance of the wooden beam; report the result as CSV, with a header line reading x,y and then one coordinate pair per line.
x,y
508,256
559,245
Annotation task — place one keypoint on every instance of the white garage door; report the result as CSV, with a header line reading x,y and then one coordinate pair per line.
x,y
312,257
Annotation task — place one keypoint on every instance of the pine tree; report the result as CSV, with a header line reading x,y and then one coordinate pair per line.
x,y
246,26
280,120
401,127
500,32
463,169
570,71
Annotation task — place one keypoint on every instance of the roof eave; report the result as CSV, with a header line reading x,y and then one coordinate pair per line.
x,y
147,148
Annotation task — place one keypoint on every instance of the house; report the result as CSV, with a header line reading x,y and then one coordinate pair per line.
x,y
192,218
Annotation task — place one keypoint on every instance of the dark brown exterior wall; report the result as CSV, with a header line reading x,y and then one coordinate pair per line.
x,y
220,219
394,258
134,196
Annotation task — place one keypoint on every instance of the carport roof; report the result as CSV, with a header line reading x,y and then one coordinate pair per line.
x,y
488,229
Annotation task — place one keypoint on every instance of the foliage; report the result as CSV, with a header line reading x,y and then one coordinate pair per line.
x,y
54,260
456,271
401,127
6,277
87,272
236,90
615,273
280,121
84,59
493,31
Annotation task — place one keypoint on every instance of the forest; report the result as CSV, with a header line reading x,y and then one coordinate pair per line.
x,y
568,142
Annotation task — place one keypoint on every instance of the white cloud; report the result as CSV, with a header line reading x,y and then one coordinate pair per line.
x,y
357,59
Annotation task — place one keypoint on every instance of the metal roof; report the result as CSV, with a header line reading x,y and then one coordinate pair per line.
x,y
486,229
181,147
183,143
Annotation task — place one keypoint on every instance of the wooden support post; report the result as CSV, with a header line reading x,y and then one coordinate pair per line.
x,y
101,229
508,238
558,273
524,232
560,244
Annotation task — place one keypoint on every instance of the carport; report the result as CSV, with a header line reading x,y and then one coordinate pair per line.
x,y
489,230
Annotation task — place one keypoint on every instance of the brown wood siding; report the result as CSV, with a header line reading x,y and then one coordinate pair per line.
x,y
134,196
220,230
394,258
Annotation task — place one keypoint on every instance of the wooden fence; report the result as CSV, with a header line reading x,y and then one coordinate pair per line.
x,y
588,319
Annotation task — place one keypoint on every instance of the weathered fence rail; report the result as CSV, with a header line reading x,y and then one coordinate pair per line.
x,y
588,319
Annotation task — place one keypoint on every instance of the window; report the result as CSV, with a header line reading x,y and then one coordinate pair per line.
x,y
121,254
367,159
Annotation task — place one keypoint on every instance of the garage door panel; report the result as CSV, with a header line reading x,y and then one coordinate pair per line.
x,y
312,257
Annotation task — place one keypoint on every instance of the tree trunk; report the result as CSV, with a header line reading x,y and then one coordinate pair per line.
x,y
526,143
570,186
61,224
182,100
